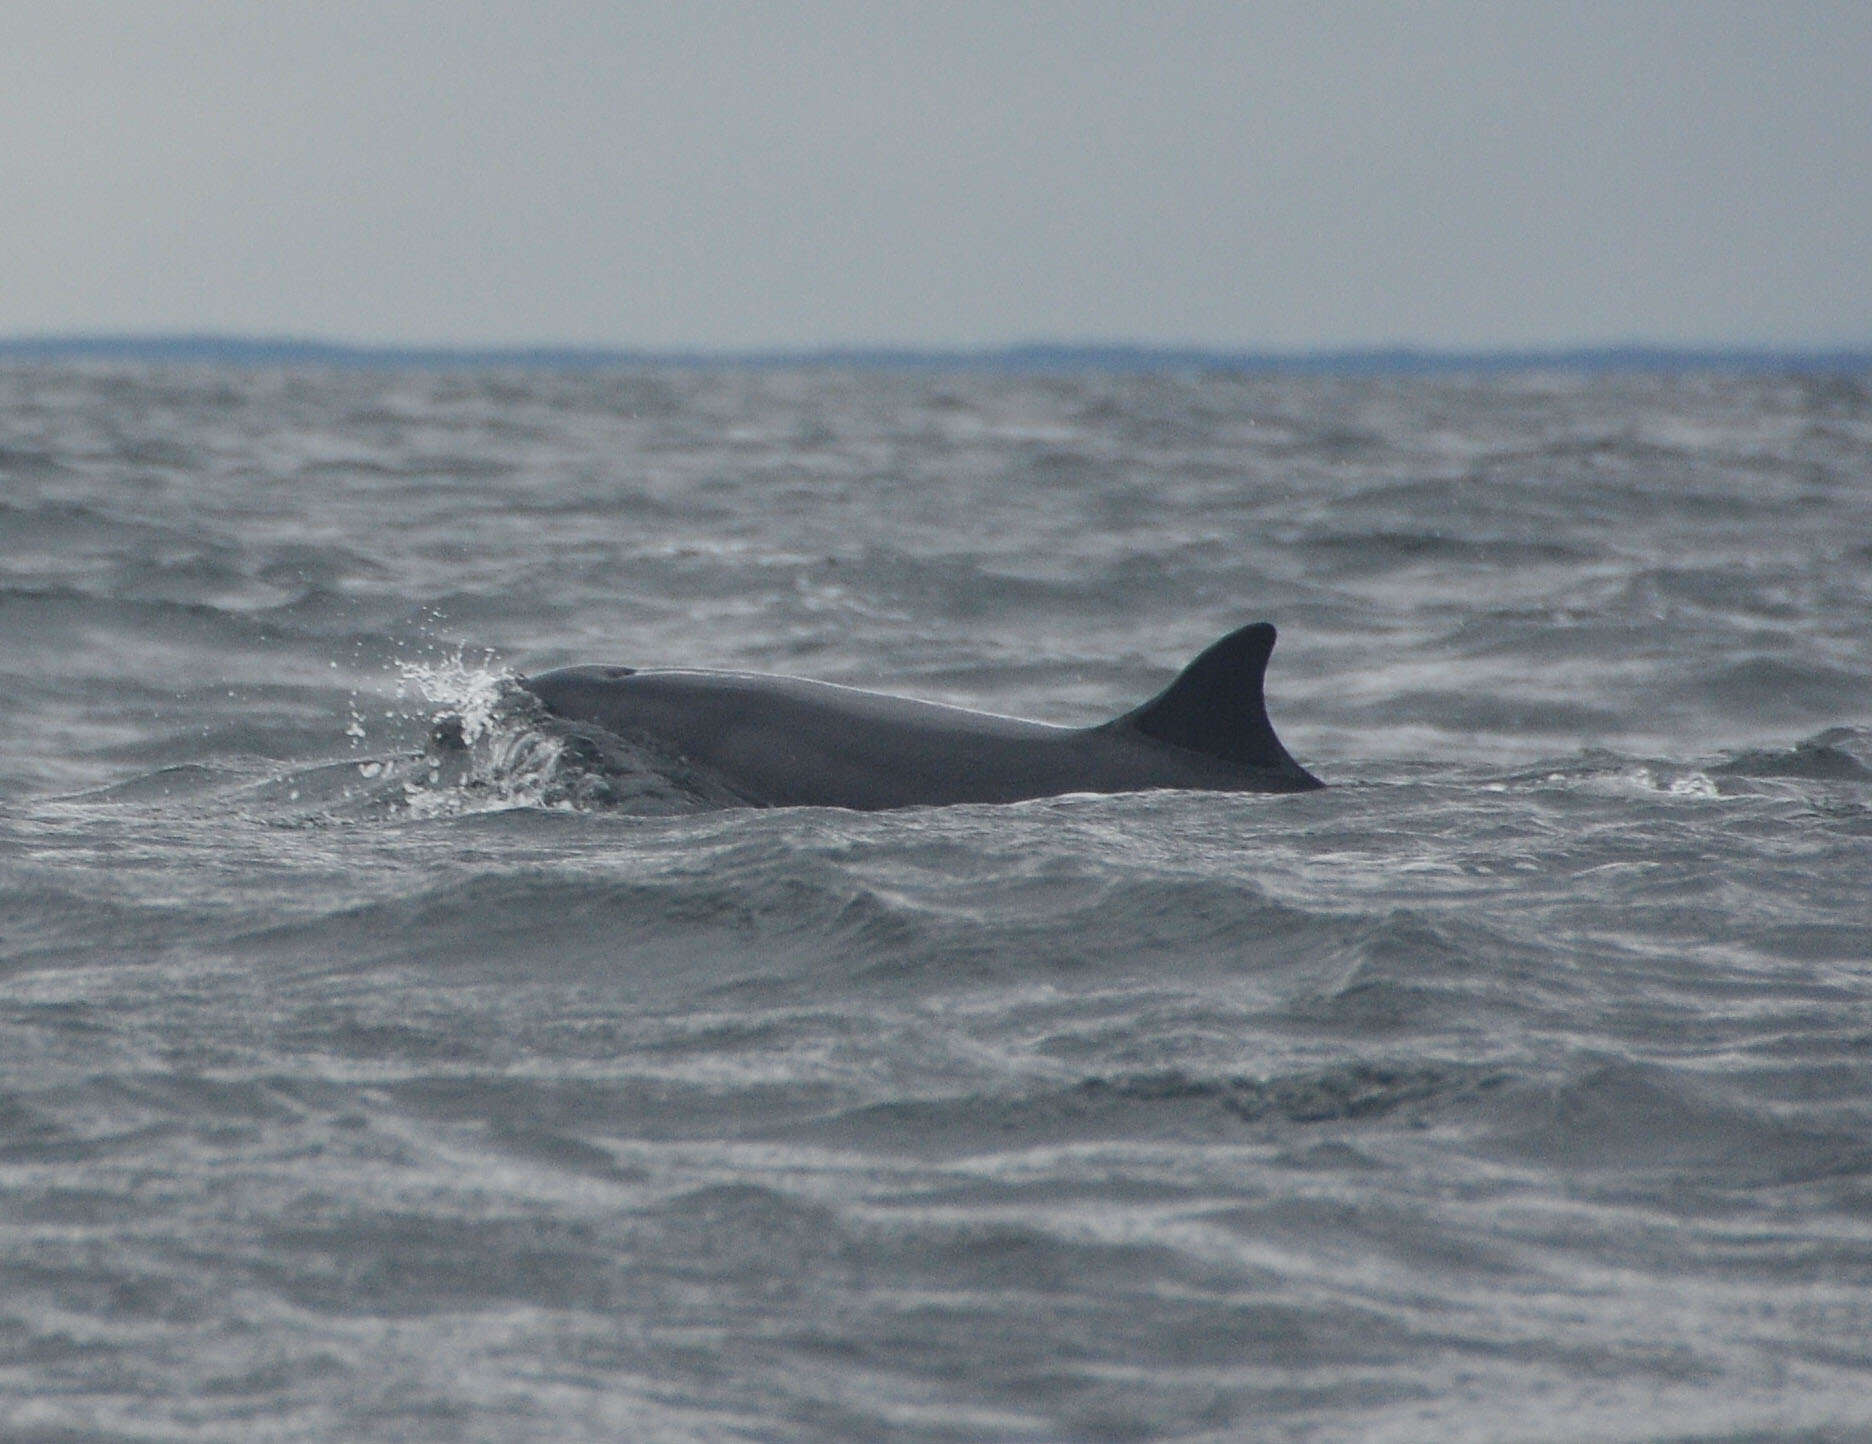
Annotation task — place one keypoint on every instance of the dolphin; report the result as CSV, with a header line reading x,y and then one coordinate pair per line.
x,y
788,742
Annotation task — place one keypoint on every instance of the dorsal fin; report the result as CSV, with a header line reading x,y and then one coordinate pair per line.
x,y
1216,707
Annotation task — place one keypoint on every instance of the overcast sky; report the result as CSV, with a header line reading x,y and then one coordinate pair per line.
x,y
1501,173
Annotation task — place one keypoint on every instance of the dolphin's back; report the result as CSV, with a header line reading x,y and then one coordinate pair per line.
x,y
786,741
789,742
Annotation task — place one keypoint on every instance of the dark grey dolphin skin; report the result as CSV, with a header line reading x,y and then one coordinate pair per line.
x,y
787,742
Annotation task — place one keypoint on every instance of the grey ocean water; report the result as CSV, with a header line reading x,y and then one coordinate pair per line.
x,y
356,1086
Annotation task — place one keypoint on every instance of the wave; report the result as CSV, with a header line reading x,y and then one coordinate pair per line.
x,y
1839,754
1384,550
1625,1118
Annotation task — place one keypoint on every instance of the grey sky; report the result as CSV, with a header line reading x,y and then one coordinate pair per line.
x,y
1507,173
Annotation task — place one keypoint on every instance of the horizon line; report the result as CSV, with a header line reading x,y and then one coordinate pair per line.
x,y
261,350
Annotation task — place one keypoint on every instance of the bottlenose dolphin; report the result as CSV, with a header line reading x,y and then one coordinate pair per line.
x,y
788,742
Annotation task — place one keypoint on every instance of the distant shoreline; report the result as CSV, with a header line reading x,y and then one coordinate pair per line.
x,y
1034,357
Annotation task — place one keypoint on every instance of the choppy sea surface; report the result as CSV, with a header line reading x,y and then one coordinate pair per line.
x,y
356,1085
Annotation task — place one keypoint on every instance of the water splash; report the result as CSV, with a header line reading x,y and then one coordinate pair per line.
x,y
484,751
491,746
470,693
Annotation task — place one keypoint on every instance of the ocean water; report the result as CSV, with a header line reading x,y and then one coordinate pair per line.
x,y
354,1085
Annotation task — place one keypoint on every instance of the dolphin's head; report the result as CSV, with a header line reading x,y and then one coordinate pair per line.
x,y
577,693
